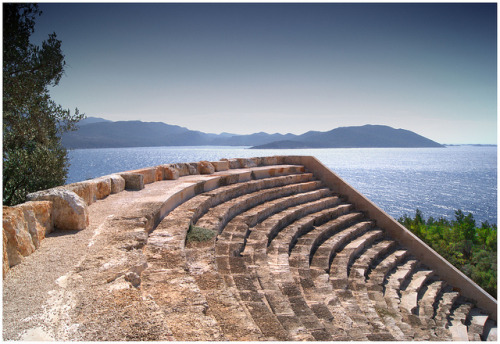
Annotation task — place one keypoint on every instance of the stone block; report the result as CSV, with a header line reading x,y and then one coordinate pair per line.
x,y
183,169
117,183
233,163
38,219
70,212
133,181
206,167
222,165
103,187
269,160
17,240
250,162
170,172
149,174
194,168
87,190
158,173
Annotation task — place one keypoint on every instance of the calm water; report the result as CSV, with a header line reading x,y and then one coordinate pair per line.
x,y
399,180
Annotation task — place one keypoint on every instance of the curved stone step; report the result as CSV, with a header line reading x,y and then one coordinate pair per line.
x,y
476,322
392,286
312,313
240,226
218,216
235,232
299,265
490,331
445,303
234,185
256,262
377,277
323,255
339,273
342,262
409,296
320,234
375,310
360,268
320,209
246,283
458,317
426,310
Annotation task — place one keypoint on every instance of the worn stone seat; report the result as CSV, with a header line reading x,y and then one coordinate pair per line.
x,y
218,216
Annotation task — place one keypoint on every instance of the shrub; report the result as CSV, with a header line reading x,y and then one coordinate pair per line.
x,y
199,234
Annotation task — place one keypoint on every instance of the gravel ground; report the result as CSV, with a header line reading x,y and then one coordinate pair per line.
x,y
31,288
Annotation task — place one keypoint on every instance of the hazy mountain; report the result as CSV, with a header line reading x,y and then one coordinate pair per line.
x,y
99,133
356,137
90,120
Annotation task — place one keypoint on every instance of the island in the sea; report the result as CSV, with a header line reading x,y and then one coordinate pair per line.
x,y
99,133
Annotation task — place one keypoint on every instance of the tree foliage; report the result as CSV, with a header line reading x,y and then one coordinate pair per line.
x,y
33,157
471,249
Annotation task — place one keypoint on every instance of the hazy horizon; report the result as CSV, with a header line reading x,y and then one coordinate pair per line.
x,y
283,67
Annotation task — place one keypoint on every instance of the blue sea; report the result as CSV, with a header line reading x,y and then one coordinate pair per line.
x,y
437,181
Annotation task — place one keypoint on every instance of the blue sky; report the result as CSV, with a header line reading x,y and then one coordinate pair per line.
x,y
245,68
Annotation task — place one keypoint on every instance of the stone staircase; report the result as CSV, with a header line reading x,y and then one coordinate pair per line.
x,y
293,260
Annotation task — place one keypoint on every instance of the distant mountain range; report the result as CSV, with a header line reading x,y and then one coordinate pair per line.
x,y
96,132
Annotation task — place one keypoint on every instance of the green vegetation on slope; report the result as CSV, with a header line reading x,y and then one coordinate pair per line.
x,y
471,249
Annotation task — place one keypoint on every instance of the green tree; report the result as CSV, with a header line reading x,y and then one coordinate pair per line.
x,y
471,249
33,156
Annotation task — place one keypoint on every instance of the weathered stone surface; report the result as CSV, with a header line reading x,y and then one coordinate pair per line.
x,y
24,227
5,261
19,243
245,163
183,169
38,219
149,174
133,181
170,172
194,168
206,167
70,211
87,190
117,183
269,160
222,165
103,187
233,163
158,173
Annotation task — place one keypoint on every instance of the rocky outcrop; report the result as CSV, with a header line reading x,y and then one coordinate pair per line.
x,y
69,210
